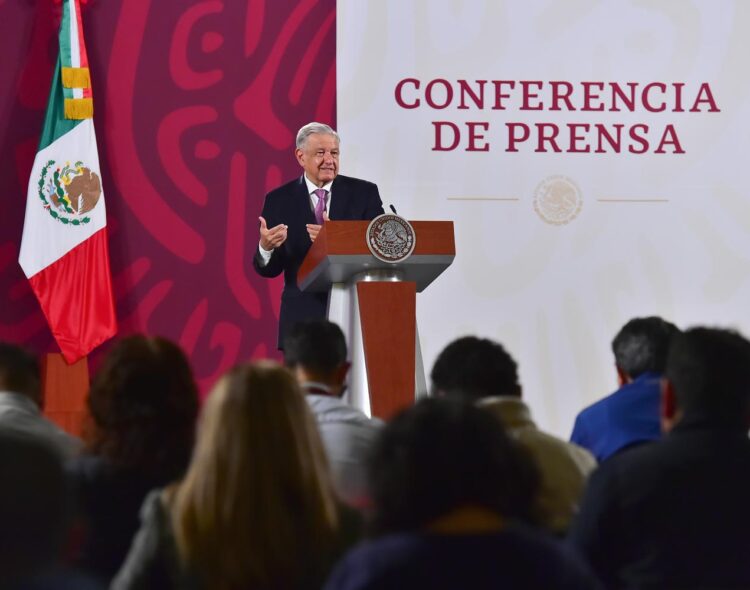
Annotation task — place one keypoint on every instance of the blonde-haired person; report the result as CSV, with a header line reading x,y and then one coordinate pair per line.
x,y
257,507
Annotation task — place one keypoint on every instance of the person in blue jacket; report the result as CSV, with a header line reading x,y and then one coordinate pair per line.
x,y
630,415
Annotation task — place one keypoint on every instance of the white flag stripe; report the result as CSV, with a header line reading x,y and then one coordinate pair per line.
x,y
75,50
45,240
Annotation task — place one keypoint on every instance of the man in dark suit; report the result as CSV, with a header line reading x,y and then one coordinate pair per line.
x,y
675,513
294,213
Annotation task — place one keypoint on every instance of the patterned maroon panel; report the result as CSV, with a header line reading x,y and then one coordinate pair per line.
x,y
196,107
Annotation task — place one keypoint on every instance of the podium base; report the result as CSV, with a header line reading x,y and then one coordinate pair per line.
x,y
385,335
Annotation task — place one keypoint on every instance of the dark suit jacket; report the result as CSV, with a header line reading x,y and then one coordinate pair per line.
x,y
351,198
671,514
108,501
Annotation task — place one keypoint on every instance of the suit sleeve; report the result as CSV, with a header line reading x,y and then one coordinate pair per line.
x,y
374,203
277,263
146,564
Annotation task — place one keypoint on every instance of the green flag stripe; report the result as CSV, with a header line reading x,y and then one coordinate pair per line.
x,y
55,123
64,36
66,59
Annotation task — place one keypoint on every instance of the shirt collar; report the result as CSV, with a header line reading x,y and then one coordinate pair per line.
x,y
316,388
311,186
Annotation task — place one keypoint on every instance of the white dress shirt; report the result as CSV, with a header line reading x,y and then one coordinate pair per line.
x,y
348,436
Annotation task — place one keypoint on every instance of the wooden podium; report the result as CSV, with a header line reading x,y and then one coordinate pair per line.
x,y
374,302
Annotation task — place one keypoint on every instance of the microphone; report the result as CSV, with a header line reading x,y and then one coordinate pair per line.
x,y
392,208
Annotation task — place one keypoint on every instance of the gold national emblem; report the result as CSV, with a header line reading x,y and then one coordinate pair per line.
x,y
557,200
390,238
68,192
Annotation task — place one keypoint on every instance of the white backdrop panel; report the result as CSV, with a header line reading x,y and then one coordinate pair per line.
x,y
665,234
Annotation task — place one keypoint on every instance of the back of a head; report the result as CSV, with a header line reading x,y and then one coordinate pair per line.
x,y
642,344
258,483
34,507
19,371
709,369
473,368
144,403
318,346
445,454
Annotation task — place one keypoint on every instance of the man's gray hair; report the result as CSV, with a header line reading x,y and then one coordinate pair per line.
x,y
307,130
642,345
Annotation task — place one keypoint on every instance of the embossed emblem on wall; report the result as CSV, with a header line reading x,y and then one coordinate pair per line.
x,y
557,200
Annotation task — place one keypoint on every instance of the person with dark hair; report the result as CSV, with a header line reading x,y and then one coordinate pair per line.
x,y
34,507
630,415
21,401
481,371
143,405
451,494
35,516
675,513
315,351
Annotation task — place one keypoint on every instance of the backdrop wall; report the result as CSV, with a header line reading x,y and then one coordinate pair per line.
x,y
196,107
593,155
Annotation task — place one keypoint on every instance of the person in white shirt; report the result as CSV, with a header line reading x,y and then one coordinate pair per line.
x,y
315,351
21,400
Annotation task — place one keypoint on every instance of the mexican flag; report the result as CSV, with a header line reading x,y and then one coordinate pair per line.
x,y
64,249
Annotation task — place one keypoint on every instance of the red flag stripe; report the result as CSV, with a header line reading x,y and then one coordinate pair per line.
x,y
75,293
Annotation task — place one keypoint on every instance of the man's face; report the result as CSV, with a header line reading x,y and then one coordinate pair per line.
x,y
320,158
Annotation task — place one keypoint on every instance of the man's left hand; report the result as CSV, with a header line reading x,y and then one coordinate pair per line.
x,y
313,229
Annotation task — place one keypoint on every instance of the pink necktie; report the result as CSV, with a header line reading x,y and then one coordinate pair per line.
x,y
321,206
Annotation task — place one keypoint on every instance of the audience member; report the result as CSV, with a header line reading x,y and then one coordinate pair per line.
x,y
675,513
256,508
143,405
21,400
481,371
450,493
316,352
35,507
630,415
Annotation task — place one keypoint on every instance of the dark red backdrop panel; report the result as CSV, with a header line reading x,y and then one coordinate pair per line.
x,y
196,107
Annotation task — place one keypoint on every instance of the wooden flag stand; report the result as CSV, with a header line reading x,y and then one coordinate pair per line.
x,y
64,390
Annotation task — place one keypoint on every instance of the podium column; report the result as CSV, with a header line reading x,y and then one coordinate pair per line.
x,y
387,314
